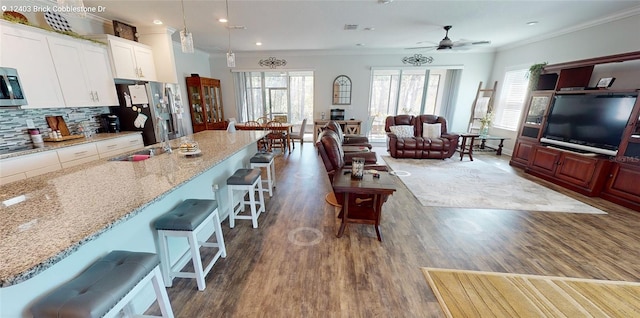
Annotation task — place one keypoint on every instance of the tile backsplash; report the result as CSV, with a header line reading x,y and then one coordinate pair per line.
x,y
13,125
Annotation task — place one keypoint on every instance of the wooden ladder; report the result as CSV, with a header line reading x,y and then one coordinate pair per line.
x,y
482,104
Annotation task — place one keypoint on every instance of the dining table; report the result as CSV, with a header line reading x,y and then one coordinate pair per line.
x,y
286,127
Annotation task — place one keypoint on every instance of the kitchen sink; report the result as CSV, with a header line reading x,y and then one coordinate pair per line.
x,y
140,155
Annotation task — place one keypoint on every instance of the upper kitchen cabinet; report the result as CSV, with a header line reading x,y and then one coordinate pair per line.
x,y
25,49
84,72
131,60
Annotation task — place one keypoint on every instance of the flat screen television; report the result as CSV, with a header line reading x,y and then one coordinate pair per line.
x,y
589,122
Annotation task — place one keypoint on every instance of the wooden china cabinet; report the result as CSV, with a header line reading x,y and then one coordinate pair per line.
x,y
614,178
205,103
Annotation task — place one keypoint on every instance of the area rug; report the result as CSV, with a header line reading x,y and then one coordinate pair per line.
x,y
479,185
483,294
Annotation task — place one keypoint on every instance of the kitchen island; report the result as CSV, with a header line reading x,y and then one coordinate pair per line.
x,y
55,225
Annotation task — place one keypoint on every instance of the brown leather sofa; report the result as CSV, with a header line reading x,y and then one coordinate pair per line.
x,y
417,146
350,141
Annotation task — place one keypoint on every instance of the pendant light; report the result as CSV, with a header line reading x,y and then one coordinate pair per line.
x,y
186,37
231,57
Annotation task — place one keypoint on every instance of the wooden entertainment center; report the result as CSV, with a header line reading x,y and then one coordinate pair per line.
x,y
614,178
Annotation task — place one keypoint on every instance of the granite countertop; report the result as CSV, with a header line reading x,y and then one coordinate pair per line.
x,y
47,217
53,145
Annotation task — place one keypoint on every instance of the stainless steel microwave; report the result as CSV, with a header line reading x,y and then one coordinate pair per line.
x,y
11,93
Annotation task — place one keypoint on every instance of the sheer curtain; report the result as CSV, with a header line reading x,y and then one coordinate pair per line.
x,y
449,98
240,82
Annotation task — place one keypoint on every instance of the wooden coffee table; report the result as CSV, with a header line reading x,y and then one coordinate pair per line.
x,y
363,198
483,139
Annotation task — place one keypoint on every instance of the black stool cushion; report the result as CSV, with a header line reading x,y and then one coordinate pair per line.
x,y
262,157
96,290
244,177
187,215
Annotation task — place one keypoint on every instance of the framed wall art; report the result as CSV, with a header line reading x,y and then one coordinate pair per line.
x,y
605,82
125,31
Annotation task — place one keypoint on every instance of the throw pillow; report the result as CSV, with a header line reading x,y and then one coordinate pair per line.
x,y
431,131
402,131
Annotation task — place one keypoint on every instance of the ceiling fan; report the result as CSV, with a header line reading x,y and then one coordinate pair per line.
x,y
447,44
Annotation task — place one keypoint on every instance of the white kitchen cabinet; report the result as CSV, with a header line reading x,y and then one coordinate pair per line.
x,y
75,155
112,147
27,166
84,72
98,68
26,49
131,60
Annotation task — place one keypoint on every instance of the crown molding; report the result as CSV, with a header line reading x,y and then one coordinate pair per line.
x,y
611,18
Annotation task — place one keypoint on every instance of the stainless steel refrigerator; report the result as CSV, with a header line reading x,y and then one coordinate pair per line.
x,y
153,108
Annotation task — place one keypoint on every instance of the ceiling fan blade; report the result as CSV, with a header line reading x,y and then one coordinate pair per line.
x,y
421,48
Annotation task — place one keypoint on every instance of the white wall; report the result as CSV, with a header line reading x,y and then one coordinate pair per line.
x,y
187,64
610,38
327,66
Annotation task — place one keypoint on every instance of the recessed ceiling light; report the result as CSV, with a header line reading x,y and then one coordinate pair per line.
x,y
158,22
258,43
223,20
385,1
532,22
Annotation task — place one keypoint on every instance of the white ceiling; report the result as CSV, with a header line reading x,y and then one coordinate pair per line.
x,y
319,24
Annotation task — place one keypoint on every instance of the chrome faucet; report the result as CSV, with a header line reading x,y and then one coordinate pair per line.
x,y
164,135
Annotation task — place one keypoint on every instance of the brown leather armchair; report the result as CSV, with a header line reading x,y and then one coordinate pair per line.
x,y
334,158
347,140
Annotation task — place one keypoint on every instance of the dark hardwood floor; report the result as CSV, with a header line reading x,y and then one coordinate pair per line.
x,y
294,266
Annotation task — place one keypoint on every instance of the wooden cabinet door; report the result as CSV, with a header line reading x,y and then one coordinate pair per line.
x,y
623,182
544,160
577,169
522,152
196,108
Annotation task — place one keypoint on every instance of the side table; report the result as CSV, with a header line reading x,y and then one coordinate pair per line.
x,y
466,147
363,198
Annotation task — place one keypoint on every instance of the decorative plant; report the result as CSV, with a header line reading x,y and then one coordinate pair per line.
x,y
486,121
13,19
534,72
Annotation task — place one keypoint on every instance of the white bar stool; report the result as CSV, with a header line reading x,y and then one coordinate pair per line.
x,y
106,288
265,160
187,219
245,180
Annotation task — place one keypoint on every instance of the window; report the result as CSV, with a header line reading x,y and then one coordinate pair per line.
x,y
404,91
509,108
275,93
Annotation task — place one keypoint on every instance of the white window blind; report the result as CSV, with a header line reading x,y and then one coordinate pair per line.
x,y
509,108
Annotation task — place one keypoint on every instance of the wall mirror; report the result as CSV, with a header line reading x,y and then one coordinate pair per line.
x,y
342,90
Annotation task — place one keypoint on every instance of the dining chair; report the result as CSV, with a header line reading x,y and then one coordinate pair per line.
x,y
277,138
263,120
299,135
262,143
252,123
